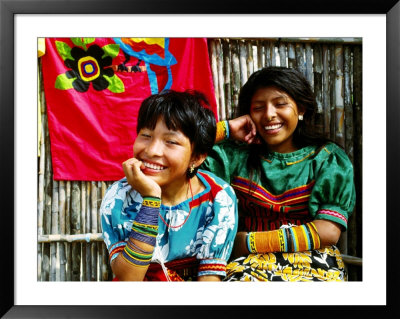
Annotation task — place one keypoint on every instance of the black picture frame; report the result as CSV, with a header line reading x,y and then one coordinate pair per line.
x,y
8,10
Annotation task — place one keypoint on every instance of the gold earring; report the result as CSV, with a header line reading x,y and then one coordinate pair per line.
x,y
191,169
300,117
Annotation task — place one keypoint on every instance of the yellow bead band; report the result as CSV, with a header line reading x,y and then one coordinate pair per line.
x,y
222,131
291,239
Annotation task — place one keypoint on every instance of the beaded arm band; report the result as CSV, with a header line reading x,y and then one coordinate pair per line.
x,y
222,131
293,239
144,229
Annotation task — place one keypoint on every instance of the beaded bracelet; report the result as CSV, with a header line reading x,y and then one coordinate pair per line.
x,y
222,131
145,225
135,257
292,239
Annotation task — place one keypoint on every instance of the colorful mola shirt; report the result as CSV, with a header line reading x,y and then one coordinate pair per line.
x,y
293,188
207,234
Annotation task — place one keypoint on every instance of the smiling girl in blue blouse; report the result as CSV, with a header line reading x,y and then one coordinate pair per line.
x,y
168,220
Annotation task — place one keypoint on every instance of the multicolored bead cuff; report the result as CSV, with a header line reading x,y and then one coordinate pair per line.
x,y
291,239
222,131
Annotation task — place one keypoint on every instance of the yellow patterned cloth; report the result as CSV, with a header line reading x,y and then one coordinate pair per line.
x,y
324,264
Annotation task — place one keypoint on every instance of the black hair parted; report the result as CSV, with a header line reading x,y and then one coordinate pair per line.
x,y
188,112
295,84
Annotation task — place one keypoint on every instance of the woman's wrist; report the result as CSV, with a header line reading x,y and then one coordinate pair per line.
x,y
222,131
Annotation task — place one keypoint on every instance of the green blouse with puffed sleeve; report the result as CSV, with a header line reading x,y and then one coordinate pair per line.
x,y
293,188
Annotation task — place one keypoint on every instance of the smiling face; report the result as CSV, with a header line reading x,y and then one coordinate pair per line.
x,y
166,154
275,114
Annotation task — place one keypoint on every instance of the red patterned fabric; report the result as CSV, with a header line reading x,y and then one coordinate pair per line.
x,y
94,87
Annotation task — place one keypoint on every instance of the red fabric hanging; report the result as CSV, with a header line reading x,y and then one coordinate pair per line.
x,y
92,103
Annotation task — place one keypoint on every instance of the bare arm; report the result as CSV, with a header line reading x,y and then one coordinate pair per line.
x,y
130,265
128,272
209,278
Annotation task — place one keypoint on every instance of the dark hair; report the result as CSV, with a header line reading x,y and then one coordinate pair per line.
x,y
299,89
188,112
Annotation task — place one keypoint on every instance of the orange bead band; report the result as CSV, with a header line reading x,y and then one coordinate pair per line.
x,y
222,131
292,239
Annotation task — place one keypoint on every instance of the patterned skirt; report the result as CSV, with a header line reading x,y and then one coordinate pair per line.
x,y
324,264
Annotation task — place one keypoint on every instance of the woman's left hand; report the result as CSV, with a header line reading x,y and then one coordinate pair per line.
x,y
243,129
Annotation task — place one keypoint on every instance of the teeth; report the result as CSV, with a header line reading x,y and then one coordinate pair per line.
x,y
153,166
273,127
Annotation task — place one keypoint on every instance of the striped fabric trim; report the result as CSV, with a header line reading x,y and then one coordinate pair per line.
x,y
300,160
215,188
325,149
212,267
115,249
292,196
332,213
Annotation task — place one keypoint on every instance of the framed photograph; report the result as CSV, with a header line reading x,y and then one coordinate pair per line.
x,y
23,22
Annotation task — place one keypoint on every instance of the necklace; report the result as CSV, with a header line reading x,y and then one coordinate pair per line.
x,y
190,210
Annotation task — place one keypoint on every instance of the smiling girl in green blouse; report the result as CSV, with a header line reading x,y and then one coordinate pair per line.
x,y
295,189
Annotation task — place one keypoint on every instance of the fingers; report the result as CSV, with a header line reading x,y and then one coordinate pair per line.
x,y
251,126
138,180
132,167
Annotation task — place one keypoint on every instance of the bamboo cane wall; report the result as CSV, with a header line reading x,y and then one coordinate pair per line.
x,y
70,246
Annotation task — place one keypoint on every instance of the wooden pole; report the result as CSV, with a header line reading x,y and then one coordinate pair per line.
x,y
318,88
300,60
282,54
220,75
214,71
47,204
68,231
61,246
54,274
309,64
68,238
93,246
235,76
358,167
332,90
104,271
227,79
326,98
87,246
348,107
339,98
291,55
243,63
41,173
260,54
249,59
76,229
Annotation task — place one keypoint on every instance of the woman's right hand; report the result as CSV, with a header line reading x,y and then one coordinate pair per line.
x,y
138,180
243,129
